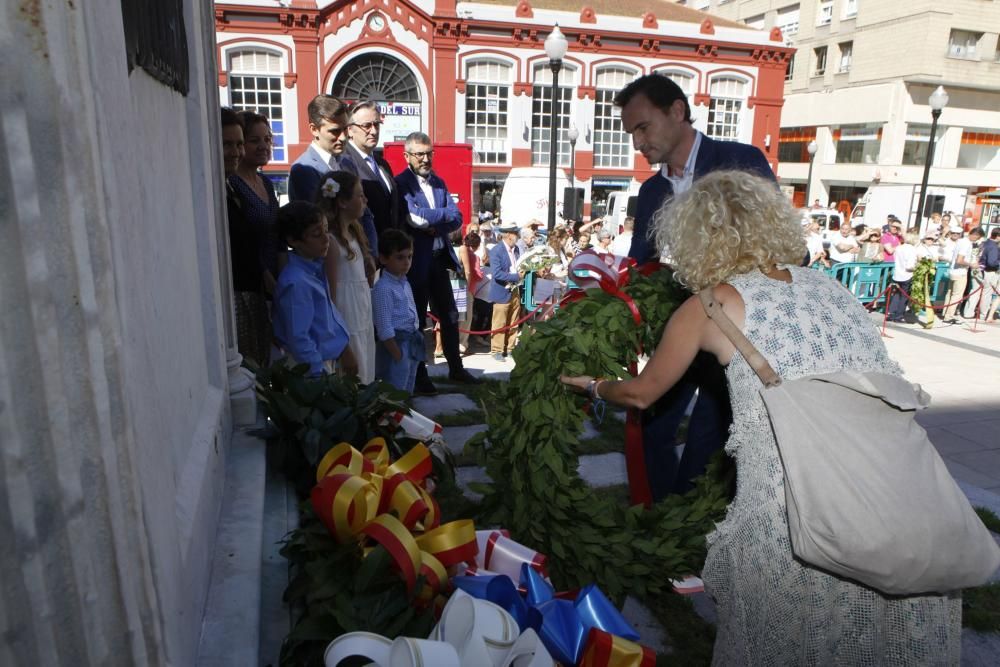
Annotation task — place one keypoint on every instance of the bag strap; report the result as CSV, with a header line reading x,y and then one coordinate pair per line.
x,y
753,356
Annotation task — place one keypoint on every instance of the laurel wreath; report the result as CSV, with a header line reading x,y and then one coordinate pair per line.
x,y
530,450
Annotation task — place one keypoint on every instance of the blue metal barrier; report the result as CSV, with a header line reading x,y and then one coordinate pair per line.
x,y
939,290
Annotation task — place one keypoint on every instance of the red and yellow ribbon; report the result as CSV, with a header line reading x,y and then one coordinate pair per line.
x,y
361,495
607,650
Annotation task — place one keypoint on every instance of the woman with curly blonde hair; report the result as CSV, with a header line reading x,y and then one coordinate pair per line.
x,y
737,235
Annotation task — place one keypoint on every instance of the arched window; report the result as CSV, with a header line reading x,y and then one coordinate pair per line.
x,y
541,112
376,76
683,79
725,111
612,145
255,85
487,99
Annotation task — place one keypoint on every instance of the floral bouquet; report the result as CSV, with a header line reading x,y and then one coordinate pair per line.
x,y
537,259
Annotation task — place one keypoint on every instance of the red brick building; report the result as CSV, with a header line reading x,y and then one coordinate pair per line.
x,y
476,72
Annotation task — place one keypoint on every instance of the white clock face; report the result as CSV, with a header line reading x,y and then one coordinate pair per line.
x,y
376,22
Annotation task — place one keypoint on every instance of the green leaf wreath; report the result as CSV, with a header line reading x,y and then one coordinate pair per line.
x,y
923,277
530,450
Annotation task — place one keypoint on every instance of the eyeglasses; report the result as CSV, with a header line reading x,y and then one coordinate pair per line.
x,y
422,155
368,127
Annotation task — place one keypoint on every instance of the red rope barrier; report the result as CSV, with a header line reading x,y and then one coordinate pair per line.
x,y
942,306
512,325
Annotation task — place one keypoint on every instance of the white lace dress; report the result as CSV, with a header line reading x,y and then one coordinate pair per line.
x,y
354,302
773,609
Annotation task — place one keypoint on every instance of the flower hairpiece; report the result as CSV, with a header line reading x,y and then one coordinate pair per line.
x,y
330,188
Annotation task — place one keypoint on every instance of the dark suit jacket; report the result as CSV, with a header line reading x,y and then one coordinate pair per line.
x,y
386,206
443,219
303,185
713,155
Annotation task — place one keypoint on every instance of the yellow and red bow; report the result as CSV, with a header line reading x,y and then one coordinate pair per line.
x,y
362,495
607,650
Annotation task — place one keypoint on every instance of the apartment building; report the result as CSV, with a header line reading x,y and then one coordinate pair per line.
x,y
859,85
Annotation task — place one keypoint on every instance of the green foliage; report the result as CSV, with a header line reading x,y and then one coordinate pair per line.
x,y
989,519
923,276
334,588
343,592
312,414
691,637
981,608
534,427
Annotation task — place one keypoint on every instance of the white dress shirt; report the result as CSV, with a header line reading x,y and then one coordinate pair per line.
x,y
684,182
327,156
419,222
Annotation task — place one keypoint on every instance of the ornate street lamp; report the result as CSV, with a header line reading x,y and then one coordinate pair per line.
x,y
555,48
811,149
938,101
572,134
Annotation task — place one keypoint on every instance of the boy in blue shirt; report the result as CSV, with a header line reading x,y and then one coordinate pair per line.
x,y
306,324
401,343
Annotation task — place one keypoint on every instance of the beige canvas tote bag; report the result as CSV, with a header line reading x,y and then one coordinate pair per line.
x,y
868,498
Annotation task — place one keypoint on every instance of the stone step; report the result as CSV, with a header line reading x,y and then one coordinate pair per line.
x,y
466,474
455,437
651,633
443,404
600,470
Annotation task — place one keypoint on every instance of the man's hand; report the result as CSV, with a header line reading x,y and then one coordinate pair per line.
x,y
347,363
393,348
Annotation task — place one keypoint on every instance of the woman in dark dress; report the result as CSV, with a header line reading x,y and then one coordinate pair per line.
x,y
256,253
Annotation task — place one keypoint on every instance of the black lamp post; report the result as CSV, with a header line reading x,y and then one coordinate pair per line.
x,y
938,100
555,48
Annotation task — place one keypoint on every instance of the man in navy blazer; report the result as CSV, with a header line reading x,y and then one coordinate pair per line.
x,y
376,176
503,290
328,125
655,111
433,215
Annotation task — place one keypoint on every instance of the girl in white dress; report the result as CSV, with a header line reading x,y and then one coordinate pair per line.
x,y
349,265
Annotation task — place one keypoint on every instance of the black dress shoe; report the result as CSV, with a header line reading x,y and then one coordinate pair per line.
x,y
424,387
463,376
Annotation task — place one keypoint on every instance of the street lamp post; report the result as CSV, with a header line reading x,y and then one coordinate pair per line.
x,y
572,134
938,100
811,149
555,48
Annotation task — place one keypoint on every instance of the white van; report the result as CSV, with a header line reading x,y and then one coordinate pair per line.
x,y
619,205
525,195
884,199
829,220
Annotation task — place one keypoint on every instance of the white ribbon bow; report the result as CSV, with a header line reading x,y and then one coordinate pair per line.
x,y
471,633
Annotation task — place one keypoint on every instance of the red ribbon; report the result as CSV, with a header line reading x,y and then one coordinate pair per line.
x,y
613,275
609,272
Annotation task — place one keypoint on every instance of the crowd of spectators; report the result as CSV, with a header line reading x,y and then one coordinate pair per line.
x,y
973,261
